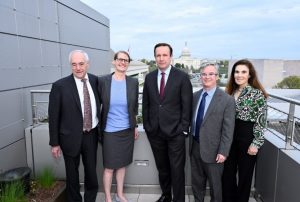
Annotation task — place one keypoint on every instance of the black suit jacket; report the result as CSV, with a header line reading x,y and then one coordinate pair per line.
x,y
172,114
65,114
132,91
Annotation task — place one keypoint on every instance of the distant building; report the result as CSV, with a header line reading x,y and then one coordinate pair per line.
x,y
189,62
272,71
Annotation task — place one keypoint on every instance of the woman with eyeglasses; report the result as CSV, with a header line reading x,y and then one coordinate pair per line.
x,y
119,100
250,121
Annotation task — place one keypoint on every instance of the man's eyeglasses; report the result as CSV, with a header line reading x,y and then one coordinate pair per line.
x,y
211,74
122,60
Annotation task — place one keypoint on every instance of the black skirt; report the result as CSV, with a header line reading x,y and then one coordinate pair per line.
x,y
118,148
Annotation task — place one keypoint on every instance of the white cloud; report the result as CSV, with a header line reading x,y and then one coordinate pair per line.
x,y
256,28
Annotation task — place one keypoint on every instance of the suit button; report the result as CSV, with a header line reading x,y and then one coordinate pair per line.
x,y
160,105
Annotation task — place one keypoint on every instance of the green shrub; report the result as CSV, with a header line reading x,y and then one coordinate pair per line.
x,y
13,192
46,178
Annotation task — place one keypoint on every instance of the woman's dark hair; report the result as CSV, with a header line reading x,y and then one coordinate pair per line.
x,y
163,44
253,81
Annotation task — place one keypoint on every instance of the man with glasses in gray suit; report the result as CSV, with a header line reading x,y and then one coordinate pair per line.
x,y
212,133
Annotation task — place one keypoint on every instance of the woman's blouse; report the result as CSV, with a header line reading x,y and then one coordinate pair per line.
x,y
118,116
251,106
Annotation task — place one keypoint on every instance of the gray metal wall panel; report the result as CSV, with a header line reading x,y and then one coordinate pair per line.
x,y
48,10
50,55
11,108
29,7
9,53
7,20
49,30
266,171
30,52
11,133
7,3
28,25
288,178
36,75
13,156
48,20
80,30
86,10
99,64
32,61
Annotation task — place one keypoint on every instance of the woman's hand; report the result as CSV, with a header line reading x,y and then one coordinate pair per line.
x,y
252,150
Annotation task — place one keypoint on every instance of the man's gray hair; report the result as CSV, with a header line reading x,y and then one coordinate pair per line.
x,y
86,56
210,64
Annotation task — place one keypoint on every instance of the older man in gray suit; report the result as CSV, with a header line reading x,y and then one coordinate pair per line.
x,y
212,133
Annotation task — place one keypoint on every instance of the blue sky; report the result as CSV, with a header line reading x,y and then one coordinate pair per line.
x,y
260,29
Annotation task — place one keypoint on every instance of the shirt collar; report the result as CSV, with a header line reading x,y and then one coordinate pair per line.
x,y
77,79
210,92
167,71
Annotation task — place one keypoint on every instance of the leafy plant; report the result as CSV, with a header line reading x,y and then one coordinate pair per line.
x,y
46,178
13,192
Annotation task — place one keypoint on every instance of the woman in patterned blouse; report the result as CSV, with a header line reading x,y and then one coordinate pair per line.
x,y
250,122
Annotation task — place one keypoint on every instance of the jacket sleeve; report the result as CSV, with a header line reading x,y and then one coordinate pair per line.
x,y
186,103
227,127
260,123
54,110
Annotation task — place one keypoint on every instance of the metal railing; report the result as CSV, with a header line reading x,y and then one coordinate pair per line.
x,y
39,105
283,115
283,119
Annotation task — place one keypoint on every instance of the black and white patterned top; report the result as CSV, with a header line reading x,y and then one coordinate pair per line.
x,y
251,106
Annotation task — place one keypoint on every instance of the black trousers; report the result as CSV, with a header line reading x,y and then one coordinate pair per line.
x,y
89,159
169,155
239,165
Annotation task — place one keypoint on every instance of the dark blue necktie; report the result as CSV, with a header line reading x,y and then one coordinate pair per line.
x,y
199,118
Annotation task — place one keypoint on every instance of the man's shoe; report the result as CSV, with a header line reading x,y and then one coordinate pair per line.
x,y
164,198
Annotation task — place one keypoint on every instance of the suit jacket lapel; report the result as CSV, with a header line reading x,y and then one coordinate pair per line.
x,y
107,88
196,97
171,79
93,84
154,83
128,91
74,90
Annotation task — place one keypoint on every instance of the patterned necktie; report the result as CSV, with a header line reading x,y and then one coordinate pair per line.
x,y
87,117
199,118
162,86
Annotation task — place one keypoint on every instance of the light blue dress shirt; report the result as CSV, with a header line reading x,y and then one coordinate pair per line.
x,y
208,99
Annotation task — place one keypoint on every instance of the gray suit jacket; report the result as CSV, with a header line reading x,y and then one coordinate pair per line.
x,y
132,91
216,132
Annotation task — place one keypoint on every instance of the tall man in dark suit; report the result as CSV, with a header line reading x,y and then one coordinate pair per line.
x,y
212,133
167,101
73,124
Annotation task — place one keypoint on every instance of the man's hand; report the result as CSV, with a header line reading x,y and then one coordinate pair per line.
x,y
220,158
56,151
136,133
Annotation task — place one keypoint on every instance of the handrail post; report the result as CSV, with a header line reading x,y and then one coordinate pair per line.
x,y
290,127
33,108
